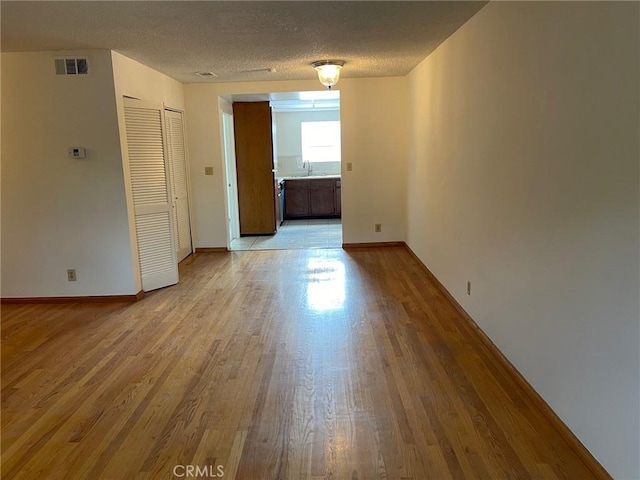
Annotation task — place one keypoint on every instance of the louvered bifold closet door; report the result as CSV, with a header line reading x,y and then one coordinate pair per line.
x,y
179,187
148,170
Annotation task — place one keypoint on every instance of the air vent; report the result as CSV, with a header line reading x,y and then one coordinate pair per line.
x,y
206,74
72,66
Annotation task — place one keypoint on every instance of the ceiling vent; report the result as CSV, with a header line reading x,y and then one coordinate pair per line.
x,y
72,66
206,74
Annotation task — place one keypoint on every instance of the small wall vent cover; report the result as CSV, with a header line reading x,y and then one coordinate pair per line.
x,y
72,66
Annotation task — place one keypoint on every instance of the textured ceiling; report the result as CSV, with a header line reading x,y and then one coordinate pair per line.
x,y
241,40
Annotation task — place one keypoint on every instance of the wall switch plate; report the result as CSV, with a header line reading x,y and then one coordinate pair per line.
x,y
208,170
349,166
468,288
378,227
71,275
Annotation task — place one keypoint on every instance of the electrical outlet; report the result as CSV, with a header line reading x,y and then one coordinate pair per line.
x,y
378,227
349,166
71,275
468,288
208,170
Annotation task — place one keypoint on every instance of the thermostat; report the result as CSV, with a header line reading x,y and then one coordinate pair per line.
x,y
77,152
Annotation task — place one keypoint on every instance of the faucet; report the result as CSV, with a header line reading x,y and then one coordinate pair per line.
x,y
308,166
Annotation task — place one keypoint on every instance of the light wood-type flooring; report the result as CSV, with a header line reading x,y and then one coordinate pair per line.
x,y
298,364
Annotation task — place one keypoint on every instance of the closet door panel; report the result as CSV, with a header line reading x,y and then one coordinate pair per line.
x,y
149,176
179,184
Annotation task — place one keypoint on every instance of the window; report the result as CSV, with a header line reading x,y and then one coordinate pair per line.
x,y
320,141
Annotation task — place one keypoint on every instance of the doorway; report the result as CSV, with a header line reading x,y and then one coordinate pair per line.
x,y
297,156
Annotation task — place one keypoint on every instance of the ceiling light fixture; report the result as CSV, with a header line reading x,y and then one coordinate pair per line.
x,y
328,71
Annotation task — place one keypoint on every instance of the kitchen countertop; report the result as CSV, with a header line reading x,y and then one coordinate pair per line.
x,y
309,177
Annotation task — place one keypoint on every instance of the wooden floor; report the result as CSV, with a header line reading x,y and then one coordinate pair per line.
x,y
300,364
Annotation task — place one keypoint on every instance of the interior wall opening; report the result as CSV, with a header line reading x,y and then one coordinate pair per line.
x,y
301,171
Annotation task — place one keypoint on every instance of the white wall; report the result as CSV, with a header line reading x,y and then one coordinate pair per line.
x,y
205,149
374,133
289,142
375,138
57,212
137,80
60,213
523,179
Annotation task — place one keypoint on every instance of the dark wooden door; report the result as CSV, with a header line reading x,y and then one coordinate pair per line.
x,y
254,162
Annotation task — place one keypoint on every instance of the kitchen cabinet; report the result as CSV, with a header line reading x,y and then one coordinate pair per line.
x,y
322,197
257,192
312,197
296,198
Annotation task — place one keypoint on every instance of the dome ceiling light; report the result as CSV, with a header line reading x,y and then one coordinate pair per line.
x,y
328,71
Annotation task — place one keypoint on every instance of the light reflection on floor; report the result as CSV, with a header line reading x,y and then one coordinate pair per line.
x,y
326,285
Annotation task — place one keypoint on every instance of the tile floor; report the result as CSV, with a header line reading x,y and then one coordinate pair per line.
x,y
312,233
